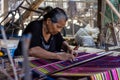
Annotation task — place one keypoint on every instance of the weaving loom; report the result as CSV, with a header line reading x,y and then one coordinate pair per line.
x,y
95,67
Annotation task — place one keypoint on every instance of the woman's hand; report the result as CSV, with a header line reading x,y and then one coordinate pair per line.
x,y
65,56
73,52
66,47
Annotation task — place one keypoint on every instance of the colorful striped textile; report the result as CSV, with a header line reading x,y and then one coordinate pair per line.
x,y
104,68
40,62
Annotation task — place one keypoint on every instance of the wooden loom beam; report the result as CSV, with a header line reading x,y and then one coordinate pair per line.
x,y
27,13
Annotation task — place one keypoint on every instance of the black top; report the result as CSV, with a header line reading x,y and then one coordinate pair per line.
x,y
35,28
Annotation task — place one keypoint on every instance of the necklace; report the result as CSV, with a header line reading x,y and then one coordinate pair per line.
x,y
46,46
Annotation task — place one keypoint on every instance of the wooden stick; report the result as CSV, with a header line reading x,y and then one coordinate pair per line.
x,y
113,8
8,52
25,46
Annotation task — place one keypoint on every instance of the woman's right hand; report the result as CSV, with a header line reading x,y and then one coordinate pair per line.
x,y
65,56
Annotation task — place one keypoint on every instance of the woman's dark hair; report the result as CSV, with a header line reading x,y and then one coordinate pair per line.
x,y
55,14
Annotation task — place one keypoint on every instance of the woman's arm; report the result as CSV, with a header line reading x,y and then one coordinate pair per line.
x,y
41,53
66,47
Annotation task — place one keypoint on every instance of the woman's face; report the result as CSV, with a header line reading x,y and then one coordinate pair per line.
x,y
54,28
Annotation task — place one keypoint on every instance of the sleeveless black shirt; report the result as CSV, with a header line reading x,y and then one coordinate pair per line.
x,y
35,28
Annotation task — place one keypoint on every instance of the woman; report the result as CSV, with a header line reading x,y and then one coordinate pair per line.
x,y
47,41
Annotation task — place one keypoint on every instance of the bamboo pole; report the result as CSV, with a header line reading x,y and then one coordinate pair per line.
x,y
113,8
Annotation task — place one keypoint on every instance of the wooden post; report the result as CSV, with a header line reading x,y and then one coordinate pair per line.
x,y
99,20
